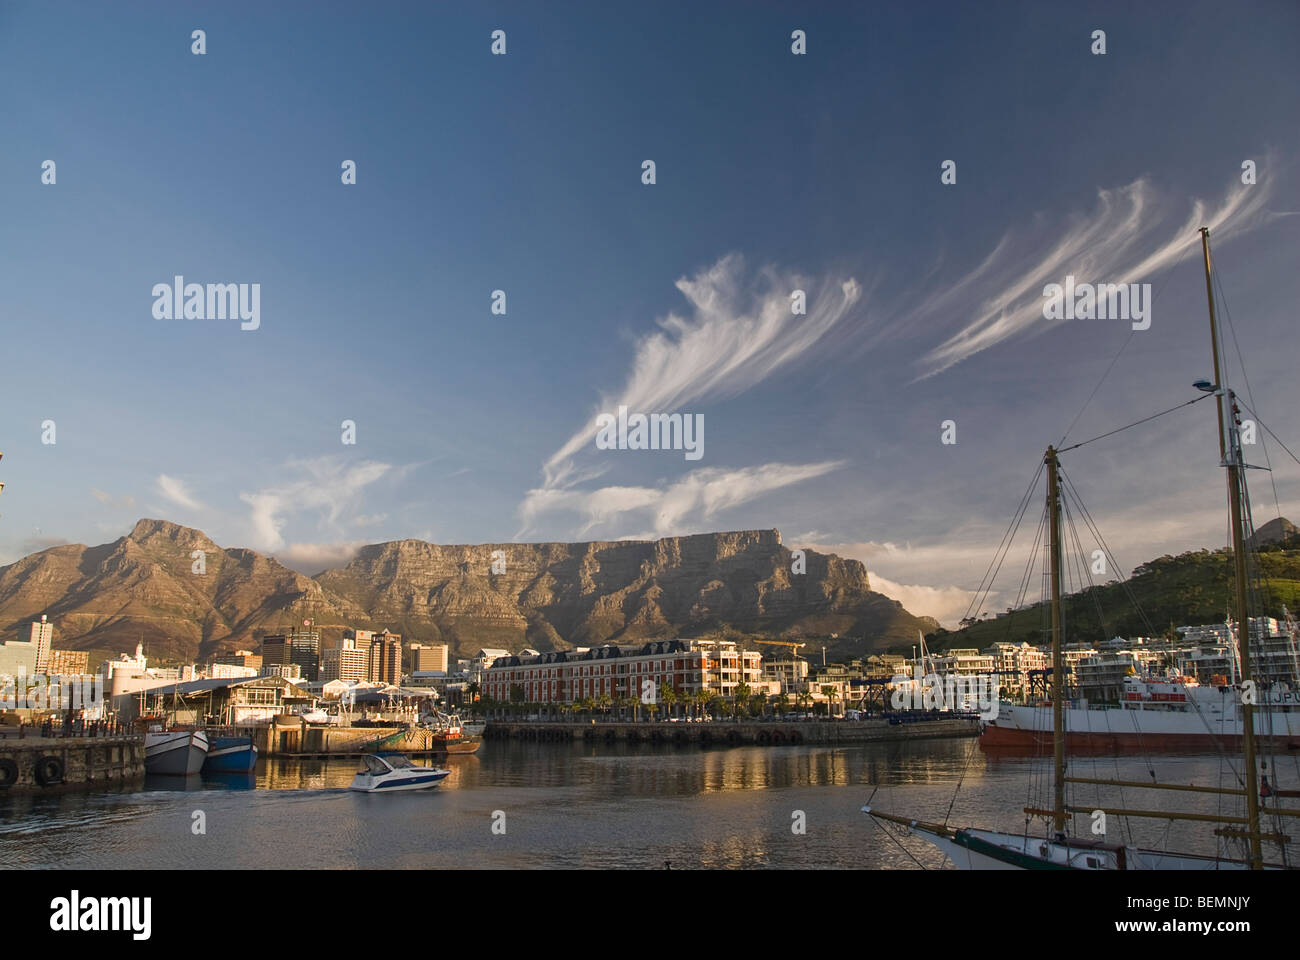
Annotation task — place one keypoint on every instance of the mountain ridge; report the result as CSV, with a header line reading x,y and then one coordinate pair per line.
x,y
547,594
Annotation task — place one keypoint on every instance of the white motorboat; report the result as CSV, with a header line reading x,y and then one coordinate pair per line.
x,y
175,752
388,772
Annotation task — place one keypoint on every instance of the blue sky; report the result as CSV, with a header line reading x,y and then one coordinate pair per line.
x,y
523,173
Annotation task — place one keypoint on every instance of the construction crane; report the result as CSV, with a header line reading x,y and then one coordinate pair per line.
x,y
784,643
794,650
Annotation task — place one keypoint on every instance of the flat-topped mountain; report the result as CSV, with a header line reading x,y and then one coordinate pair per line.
x,y
544,595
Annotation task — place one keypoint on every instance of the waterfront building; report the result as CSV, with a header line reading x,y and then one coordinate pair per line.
x,y
428,657
41,634
230,671
69,663
300,647
344,661
689,667
225,701
480,662
240,658
1013,662
1100,677
963,662
287,671
125,664
384,658
362,638
791,675
17,656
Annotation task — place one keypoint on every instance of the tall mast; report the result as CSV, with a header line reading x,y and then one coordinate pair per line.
x,y
1230,457
1058,656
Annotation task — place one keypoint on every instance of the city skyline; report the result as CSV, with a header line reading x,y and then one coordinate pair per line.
x,y
523,173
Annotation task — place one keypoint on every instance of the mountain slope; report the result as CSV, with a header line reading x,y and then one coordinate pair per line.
x,y
1191,588
142,587
548,595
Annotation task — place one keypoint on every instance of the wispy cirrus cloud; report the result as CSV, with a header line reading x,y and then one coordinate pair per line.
x,y
326,486
1129,238
126,501
174,490
738,331
661,511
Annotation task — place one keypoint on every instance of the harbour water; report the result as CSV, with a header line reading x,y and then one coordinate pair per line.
x,y
576,806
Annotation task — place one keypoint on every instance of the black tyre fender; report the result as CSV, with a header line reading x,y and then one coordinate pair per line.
x,y
48,771
8,773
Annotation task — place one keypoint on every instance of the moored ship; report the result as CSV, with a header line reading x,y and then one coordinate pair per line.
x,y
235,754
451,736
175,752
1155,714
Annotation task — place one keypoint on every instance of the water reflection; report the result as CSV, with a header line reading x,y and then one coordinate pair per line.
x,y
582,805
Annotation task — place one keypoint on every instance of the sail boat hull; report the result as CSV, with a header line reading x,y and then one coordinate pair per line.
x,y
988,850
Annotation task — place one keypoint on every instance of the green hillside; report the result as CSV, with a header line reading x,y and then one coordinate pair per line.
x,y
1191,588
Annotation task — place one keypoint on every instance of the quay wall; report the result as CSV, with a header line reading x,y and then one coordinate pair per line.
x,y
84,762
300,739
828,733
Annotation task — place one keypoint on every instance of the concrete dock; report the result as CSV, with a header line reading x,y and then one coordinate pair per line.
x,y
296,738
69,763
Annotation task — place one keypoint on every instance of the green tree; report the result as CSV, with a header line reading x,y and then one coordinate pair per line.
x,y
667,697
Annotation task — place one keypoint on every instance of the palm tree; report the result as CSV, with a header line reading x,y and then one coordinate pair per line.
x,y
667,696
741,695
698,700
831,695
604,700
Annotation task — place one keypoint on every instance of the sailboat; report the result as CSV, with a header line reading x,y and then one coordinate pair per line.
x,y
989,849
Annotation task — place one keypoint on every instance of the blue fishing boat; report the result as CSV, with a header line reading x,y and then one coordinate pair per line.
x,y
230,755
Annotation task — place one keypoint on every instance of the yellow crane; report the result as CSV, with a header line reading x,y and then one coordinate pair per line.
x,y
784,643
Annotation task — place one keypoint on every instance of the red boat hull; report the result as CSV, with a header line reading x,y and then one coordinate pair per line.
x,y
995,739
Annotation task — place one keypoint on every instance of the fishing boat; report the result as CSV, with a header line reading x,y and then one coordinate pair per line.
x,y
174,752
449,735
233,754
391,772
1148,708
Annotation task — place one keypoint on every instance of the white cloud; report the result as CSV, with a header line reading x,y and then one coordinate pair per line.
x,y
125,501
327,486
174,490
1109,246
946,604
312,558
738,332
697,497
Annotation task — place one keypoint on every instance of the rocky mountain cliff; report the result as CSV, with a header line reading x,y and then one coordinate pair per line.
x,y
1277,530
544,595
